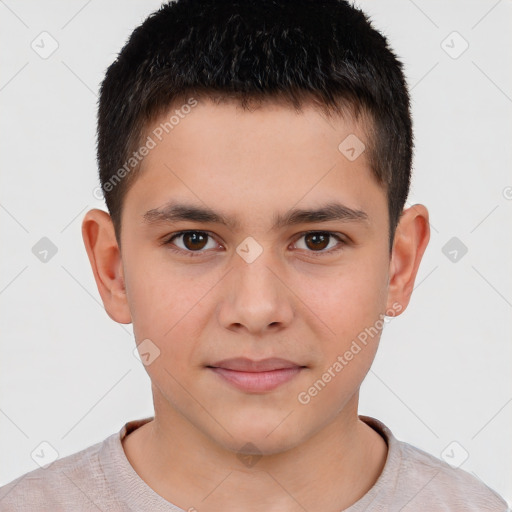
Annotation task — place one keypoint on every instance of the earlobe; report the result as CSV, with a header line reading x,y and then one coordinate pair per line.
x,y
411,239
106,263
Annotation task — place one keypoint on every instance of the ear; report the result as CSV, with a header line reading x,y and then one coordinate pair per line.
x,y
105,258
411,240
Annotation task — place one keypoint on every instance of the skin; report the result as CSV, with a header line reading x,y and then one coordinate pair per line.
x,y
293,301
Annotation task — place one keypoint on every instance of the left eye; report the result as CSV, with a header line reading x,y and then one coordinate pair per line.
x,y
319,241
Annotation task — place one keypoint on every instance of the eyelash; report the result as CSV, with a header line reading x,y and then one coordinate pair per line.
x,y
168,241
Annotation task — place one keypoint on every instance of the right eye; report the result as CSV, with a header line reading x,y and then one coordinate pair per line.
x,y
192,242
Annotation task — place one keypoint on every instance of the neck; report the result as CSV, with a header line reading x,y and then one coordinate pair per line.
x,y
329,471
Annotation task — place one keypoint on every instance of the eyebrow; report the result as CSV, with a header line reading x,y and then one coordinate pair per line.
x,y
175,212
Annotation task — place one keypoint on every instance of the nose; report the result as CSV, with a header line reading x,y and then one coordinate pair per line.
x,y
255,299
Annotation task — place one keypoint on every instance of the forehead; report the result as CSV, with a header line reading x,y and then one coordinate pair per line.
x,y
232,159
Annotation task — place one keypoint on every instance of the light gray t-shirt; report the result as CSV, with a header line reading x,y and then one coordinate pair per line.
x,y
100,478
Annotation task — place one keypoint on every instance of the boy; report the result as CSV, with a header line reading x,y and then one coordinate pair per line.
x,y
255,158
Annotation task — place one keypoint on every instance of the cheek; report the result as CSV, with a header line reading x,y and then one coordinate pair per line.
x,y
169,307
155,291
352,306
346,301
152,303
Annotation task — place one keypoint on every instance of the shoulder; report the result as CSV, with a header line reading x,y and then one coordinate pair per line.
x,y
450,488
416,480
75,480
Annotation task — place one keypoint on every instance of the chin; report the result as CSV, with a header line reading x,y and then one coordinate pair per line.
x,y
264,436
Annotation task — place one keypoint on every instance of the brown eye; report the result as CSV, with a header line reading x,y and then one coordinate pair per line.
x,y
320,242
317,241
192,241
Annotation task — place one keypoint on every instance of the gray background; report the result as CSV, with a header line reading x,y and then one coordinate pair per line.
x,y
68,375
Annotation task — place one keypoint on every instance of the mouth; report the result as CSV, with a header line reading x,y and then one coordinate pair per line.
x,y
256,376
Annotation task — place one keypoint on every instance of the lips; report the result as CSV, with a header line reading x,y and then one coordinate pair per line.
x,y
242,364
256,376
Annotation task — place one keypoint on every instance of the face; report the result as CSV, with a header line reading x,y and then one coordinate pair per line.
x,y
261,315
